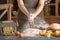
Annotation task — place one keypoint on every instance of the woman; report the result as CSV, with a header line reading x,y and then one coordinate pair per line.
x,y
30,13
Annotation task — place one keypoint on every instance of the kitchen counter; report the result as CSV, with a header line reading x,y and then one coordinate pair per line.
x,y
9,38
40,38
28,38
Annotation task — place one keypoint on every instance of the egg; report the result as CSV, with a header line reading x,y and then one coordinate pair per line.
x,y
57,33
48,33
19,34
42,32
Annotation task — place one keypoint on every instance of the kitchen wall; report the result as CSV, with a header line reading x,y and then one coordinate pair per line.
x,y
4,17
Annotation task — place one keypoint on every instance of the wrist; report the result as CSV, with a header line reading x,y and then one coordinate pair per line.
x,y
35,14
27,14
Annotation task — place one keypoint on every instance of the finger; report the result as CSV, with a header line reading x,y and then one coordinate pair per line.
x,y
30,21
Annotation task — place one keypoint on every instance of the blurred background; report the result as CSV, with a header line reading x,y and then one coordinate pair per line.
x,y
51,11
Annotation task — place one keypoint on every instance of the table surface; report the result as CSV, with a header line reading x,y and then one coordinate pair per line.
x,y
28,38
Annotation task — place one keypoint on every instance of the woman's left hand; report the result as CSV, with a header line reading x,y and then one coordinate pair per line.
x,y
31,17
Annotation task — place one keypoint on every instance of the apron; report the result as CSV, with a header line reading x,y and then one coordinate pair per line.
x,y
39,21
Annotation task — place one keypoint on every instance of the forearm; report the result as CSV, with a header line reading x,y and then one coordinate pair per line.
x,y
23,8
39,9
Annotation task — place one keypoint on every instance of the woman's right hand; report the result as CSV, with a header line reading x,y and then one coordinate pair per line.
x,y
30,19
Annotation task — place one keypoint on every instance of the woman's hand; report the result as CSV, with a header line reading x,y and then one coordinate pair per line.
x,y
31,17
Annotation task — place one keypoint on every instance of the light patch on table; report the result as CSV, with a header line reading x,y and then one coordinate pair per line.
x,y
31,32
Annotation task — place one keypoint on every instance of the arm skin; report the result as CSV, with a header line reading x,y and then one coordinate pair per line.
x,y
39,7
37,11
22,7
25,11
